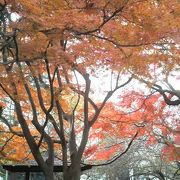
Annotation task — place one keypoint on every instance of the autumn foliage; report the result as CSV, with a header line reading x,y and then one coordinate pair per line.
x,y
52,56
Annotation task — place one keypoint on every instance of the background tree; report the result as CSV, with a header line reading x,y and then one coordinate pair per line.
x,y
141,161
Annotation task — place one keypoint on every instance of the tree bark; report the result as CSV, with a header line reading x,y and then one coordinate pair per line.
x,y
49,175
73,173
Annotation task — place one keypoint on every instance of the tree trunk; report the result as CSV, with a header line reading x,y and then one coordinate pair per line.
x,y
49,175
73,173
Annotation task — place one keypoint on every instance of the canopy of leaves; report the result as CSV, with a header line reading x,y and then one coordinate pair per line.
x,y
49,57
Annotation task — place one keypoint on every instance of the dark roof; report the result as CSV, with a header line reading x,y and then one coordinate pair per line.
x,y
36,168
24,168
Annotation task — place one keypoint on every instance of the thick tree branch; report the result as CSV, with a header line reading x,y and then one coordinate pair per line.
x,y
109,94
62,137
163,92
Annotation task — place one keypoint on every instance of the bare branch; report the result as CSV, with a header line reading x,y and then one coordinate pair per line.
x,y
10,127
118,45
7,141
117,156
105,21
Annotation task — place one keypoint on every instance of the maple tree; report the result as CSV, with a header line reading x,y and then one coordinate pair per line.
x,y
149,113
54,43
